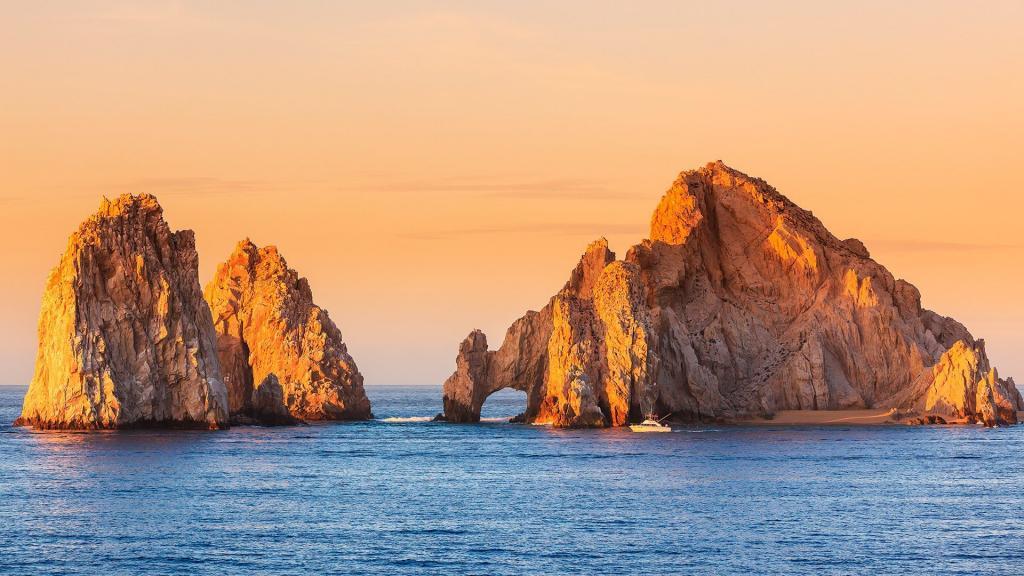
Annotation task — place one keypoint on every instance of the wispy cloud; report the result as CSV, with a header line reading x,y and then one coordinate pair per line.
x,y
195,186
939,246
536,189
199,186
547,229
155,12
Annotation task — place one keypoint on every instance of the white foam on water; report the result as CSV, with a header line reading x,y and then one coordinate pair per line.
x,y
411,419
406,420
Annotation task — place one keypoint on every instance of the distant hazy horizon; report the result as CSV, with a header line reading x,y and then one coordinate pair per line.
x,y
438,167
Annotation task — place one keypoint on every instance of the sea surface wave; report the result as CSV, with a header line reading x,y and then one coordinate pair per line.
x,y
432,498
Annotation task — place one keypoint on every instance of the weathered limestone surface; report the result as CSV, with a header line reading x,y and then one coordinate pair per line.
x,y
125,337
740,304
282,356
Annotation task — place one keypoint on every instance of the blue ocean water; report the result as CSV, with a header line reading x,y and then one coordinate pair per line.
x,y
400,495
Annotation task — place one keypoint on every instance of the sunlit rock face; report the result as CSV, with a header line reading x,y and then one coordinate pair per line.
x,y
962,387
125,337
584,360
282,356
740,304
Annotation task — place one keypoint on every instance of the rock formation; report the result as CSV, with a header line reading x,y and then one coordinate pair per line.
x,y
581,359
282,356
125,337
740,304
962,387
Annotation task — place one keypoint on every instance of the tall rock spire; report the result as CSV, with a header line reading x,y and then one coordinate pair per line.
x,y
125,337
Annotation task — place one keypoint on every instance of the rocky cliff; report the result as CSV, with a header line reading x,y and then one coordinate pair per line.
x,y
738,305
282,356
125,337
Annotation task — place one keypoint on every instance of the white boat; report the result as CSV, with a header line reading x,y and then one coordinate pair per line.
x,y
651,422
650,425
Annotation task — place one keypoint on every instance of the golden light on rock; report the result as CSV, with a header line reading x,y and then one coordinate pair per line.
x,y
740,305
273,340
125,337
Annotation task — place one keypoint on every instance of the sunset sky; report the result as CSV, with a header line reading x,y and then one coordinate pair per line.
x,y
438,167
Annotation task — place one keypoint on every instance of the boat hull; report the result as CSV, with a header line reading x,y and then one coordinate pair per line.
x,y
649,429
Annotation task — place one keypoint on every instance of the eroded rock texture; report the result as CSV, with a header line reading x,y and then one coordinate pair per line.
x,y
282,356
740,304
962,387
125,337
584,360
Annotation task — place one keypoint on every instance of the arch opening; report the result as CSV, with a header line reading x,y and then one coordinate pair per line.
x,y
503,405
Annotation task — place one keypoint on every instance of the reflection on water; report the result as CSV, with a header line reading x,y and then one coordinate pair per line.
x,y
405,495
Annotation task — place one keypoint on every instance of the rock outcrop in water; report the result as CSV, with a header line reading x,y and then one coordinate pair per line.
x,y
740,304
962,387
125,337
282,356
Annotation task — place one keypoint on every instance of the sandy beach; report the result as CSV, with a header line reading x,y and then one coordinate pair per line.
x,y
825,417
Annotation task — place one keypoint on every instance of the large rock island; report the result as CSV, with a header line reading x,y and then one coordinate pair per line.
x,y
125,337
740,304
282,356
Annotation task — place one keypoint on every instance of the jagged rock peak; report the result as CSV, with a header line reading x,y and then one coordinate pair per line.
x,y
270,333
594,259
963,387
701,193
125,337
584,360
744,304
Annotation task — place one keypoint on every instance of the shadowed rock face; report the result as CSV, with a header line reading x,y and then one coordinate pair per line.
x,y
125,337
739,304
282,356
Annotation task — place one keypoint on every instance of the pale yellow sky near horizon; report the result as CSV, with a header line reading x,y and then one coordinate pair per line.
x,y
438,167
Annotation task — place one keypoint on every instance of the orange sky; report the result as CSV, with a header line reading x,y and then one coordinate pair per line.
x,y
434,168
